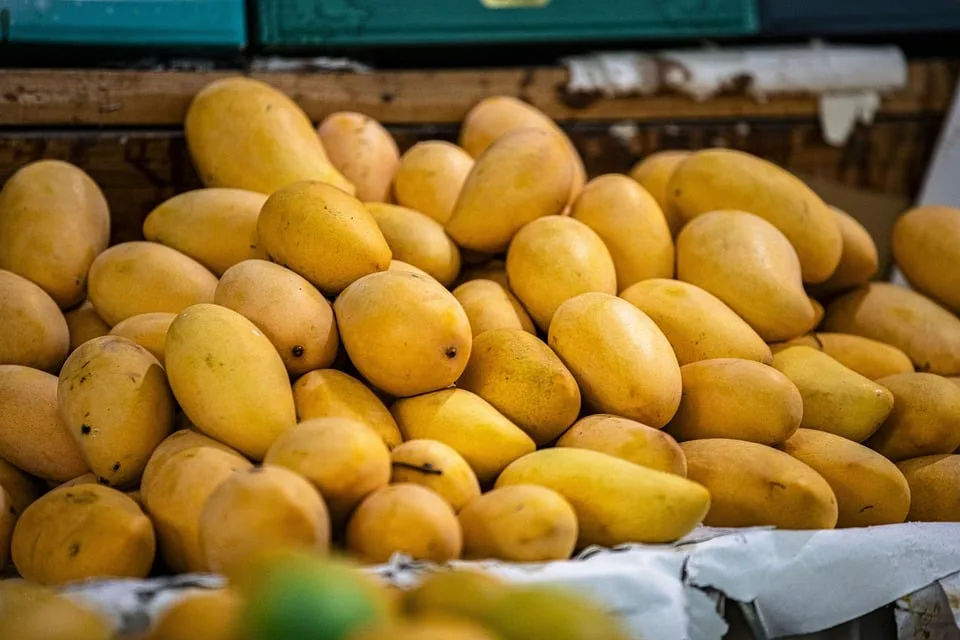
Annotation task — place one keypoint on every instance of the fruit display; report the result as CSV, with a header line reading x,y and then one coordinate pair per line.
x,y
461,351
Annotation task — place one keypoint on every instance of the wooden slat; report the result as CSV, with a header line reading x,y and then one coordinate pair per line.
x,y
139,98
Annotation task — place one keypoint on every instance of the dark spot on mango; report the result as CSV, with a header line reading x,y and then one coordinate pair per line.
x,y
116,467
869,506
451,352
426,468
85,429
103,481
84,378
297,351
74,550
84,497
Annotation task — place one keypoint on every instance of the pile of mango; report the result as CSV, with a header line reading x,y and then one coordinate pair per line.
x,y
458,352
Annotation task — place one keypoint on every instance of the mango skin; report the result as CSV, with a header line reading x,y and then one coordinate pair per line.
x,y
54,221
654,173
715,179
115,401
41,614
323,234
172,445
926,412
490,306
33,332
753,485
149,330
925,247
209,614
698,325
363,151
86,531
83,323
417,239
229,379
767,407
34,437
8,518
144,277
407,518
215,227
870,358
627,439
932,482
616,501
244,134
430,177
859,259
22,488
613,349
870,490
436,466
523,176
405,333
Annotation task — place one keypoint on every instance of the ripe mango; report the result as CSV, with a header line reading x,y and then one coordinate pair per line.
x,y
143,277
438,467
363,151
754,485
870,490
626,439
405,518
519,523
616,501
524,380
926,412
149,330
858,259
715,179
30,611
212,615
749,265
738,399
115,401
905,319
418,239
870,358
574,256
229,379
698,325
83,323
933,487
323,234
430,176
405,333
468,424
54,221
654,173
22,488
400,265
490,306
172,445
426,629
925,247
622,362
33,332
550,612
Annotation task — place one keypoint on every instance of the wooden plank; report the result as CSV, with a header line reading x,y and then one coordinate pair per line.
x,y
144,98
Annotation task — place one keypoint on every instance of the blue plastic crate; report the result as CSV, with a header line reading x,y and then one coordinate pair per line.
x,y
202,23
853,17
306,23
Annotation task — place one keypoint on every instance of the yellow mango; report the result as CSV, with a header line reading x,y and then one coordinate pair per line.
x,y
836,399
622,362
467,423
738,399
144,277
654,173
83,323
262,509
81,532
524,380
215,227
244,134
523,176
715,179
322,233
490,306
33,332
462,593
54,221
400,265
626,439
173,444
905,319
818,312
293,315
754,485
573,255
858,259
405,518
22,488
426,629
926,412
926,247
34,613
933,482
631,225
616,501
519,523
405,333
363,151
748,264
34,437
430,176
229,379
698,325
438,467
344,459
328,393
212,615
870,490
175,498
149,330
417,239
870,358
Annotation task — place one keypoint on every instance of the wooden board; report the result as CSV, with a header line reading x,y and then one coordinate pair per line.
x,y
138,98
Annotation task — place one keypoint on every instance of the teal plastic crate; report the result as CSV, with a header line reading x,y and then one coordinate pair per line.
x,y
314,23
174,23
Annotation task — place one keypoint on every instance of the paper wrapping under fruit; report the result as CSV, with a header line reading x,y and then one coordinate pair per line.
x,y
791,582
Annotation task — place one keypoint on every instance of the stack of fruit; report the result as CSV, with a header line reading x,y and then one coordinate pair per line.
x,y
207,398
